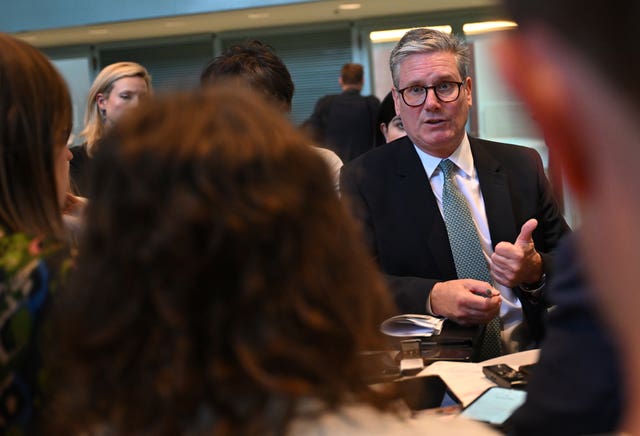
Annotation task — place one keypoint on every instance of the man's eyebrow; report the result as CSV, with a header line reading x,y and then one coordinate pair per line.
x,y
439,79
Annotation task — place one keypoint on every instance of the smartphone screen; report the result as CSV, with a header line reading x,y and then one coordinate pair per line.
x,y
495,405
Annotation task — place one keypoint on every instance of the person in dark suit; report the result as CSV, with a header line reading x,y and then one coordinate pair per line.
x,y
396,192
346,122
576,386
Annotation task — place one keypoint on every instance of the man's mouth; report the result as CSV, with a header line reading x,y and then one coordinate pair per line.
x,y
434,122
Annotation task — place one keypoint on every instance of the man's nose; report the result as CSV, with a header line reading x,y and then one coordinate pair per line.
x,y
431,101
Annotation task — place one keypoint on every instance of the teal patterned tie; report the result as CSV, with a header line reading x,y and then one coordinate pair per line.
x,y
467,251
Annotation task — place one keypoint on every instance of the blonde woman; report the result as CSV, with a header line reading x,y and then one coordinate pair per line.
x,y
117,87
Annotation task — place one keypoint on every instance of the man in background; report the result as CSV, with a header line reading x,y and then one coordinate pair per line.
x,y
346,122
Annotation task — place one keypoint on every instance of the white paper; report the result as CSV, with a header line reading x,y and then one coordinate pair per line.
x,y
412,325
466,379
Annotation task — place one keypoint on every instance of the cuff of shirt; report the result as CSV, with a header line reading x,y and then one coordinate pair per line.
x,y
428,307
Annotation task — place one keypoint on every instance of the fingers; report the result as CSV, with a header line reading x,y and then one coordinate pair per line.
x,y
470,316
480,305
510,264
465,301
73,204
503,273
479,312
526,232
523,244
508,252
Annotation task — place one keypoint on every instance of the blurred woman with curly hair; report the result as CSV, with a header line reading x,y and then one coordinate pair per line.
x,y
222,287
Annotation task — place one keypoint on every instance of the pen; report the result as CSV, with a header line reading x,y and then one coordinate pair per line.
x,y
488,293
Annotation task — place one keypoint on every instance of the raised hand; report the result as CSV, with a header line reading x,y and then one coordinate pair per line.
x,y
513,264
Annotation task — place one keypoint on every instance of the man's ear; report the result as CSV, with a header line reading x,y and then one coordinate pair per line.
x,y
529,64
469,85
396,99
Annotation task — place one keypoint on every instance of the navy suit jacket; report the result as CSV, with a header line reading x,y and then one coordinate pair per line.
x,y
576,387
390,194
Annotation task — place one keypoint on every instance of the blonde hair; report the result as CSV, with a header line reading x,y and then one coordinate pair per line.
x,y
103,84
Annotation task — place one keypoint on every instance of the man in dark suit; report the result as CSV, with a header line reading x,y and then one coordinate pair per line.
x,y
346,122
397,192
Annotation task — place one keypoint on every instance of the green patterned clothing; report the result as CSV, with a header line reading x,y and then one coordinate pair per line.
x,y
27,267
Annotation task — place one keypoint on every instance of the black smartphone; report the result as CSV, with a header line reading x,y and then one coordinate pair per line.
x,y
505,376
495,405
429,392
458,354
527,370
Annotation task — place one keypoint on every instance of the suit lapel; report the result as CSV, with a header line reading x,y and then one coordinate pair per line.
x,y
494,184
417,199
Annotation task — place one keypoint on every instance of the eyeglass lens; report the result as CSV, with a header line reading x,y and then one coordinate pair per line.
x,y
446,92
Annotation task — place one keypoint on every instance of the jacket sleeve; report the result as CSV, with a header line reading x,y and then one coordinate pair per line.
x,y
410,293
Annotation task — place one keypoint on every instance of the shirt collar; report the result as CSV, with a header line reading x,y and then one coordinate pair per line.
x,y
462,157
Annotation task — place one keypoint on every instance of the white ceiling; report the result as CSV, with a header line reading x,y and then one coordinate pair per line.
x,y
304,13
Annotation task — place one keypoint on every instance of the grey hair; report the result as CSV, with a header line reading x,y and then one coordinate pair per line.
x,y
424,40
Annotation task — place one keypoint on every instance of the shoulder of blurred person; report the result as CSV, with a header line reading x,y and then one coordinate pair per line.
x,y
587,75
355,419
577,387
333,162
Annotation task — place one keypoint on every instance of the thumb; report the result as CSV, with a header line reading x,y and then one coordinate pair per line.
x,y
526,231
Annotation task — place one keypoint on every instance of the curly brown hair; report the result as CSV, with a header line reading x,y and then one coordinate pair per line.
x,y
220,280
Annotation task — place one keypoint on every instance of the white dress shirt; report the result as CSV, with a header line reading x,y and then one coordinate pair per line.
x,y
466,178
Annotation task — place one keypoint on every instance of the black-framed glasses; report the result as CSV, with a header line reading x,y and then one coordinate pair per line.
x,y
446,92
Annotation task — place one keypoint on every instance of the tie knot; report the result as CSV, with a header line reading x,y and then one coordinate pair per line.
x,y
447,167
